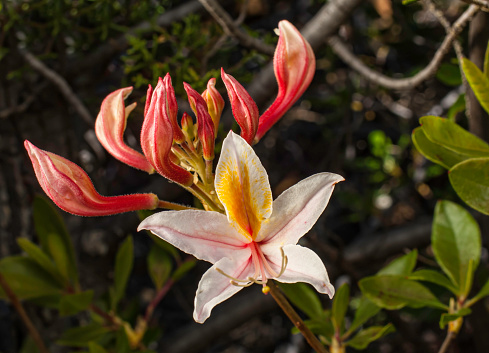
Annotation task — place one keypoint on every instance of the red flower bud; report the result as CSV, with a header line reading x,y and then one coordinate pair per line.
x,y
244,107
72,190
205,125
110,126
294,65
172,109
215,103
157,138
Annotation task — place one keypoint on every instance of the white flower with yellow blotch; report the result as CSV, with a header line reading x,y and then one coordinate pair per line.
x,y
257,241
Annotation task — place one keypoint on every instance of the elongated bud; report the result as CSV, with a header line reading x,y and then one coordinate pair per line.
x,y
244,107
157,138
188,126
72,190
205,125
172,109
294,64
215,102
110,126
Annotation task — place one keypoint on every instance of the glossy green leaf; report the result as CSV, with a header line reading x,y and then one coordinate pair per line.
x,y
340,306
395,292
435,277
72,304
49,225
449,74
123,267
484,292
470,180
81,336
305,298
39,256
183,269
454,137
446,318
403,265
455,241
436,152
366,310
95,348
27,279
478,81
363,338
159,266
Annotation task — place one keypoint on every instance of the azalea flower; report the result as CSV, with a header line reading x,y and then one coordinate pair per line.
x,y
256,240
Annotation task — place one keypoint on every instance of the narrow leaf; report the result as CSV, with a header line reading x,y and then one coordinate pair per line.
x,y
484,292
183,269
365,311
72,304
340,306
395,292
446,318
159,266
81,336
319,327
365,337
403,265
305,298
95,348
470,180
435,277
486,61
123,266
456,241
478,81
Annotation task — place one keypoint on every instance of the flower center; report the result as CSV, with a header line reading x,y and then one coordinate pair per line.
x,y
263,270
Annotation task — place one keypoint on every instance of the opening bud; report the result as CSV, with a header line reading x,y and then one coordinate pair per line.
x,y
72,190
215,102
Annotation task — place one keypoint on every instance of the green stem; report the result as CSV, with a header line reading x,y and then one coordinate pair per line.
x,y
202,195
14,300
295,318
174,206
446,342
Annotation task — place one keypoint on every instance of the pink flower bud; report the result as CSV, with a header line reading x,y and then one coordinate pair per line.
x,y
294,65
172,109
215,103
110,126
244,107
72,190
205,125
157,138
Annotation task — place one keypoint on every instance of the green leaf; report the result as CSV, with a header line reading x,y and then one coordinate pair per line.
x,y
122,341
183,269
72,304
449,74
454,137
478,81
27,279
436,152
403,265
81,336
366,310
446,318
407,2
395,292
470,180
41,258
457,107
484,292
340,306
486,61
53,235
435,277
95,348
159,266
456,241
363,338
123,266
305,298
319,327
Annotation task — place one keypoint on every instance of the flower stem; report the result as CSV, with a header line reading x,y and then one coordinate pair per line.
x,y
174,206
295,318
159,296
23,315
446,342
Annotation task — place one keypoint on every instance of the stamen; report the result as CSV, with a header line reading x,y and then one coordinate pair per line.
x,y
283,266
233,279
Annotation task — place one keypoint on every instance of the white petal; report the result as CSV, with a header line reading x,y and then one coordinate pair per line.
x,y
214,287
242,186
205,234
297,209
304,265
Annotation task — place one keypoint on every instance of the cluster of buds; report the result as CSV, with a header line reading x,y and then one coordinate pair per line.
x,y
182,153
